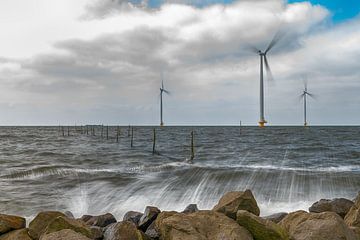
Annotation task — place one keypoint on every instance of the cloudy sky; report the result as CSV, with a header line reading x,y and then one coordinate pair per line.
x,y
100,61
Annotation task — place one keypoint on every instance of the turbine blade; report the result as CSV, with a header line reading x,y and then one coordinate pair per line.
x,y
300,98
268,70
274,41
253,49
311,95
167,92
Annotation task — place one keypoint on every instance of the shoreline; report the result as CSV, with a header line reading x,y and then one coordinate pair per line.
x,y
235,216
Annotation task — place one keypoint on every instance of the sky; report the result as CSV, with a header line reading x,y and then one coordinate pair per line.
x,y
101,61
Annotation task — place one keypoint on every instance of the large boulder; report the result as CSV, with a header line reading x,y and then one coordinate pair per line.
x,y
133,216
232,202
202,225
65,234
160,218
123,231
340,206
21,234
10,222
99,221
149,216
316,226
260,229
352,218
276,217
39,223
61,223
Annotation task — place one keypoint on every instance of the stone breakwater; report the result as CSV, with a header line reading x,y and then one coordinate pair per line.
x,y
235,217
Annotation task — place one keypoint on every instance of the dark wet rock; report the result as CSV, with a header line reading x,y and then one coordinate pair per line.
x,y
352,218
261,229
277,217
201,225
21,234
65,234
63,222
149,216
85,218
10,222
152,232
96,232
232,202
133,216
125,230
340,206
101,220
38,225
302,225
69,214
191,208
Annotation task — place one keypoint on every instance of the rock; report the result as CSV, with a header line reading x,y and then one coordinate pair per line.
x,y
65,234
21,234
61,223
39,223
232,202
161,217
69,214
123,231
352,218
202,225
101,220
10,222
97,232
85,218
261,229
133,216
340,206
277,217
356,230
316,226
152,232
191,208
149,216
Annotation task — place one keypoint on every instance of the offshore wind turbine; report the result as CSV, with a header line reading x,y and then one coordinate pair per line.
x,y
162,90
263,59
303,96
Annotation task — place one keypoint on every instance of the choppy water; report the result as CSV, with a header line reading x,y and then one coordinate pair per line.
x,y
287,168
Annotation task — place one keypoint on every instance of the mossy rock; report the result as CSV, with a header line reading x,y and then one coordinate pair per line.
x,y
10,222
65,234
61,223
261,229
38,225
21,234
125,230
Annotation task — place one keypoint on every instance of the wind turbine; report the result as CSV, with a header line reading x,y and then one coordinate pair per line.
x,y
304,97
263,59
162,90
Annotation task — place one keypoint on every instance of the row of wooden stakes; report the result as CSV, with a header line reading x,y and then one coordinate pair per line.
x,y
91,130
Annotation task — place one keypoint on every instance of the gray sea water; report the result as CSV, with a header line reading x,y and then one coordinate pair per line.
x,y
288,168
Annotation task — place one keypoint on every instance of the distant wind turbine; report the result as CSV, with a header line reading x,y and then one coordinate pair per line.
x,y
263,59
303,96
162,90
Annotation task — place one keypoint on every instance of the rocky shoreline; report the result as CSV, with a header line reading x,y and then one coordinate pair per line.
x,y
235,217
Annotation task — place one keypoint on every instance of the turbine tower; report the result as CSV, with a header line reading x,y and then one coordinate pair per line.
x,y
304,97
162,90
263,59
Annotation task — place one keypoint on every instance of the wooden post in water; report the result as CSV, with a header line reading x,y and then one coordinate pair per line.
x,y
132,137
192,147
107,132
63,131
117,134
129,131
87,130
68,128
102,130
154,141
240,127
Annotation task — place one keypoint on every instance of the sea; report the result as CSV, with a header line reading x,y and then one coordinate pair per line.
x,y
87,172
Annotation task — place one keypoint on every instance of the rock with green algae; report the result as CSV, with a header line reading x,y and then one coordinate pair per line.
x,y
65,234
10,222
302,225
261,229
21,234
232,202
352,218
38,225
61,223
125,230
202,225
